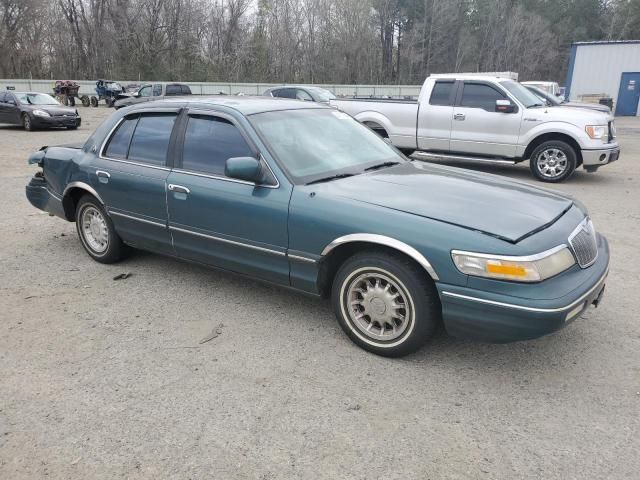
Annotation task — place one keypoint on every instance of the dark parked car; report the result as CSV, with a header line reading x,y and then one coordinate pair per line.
x,y
301,92
36,110
155,91
304,196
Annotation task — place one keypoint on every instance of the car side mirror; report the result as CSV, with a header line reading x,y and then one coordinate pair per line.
x,y
505,106
243,168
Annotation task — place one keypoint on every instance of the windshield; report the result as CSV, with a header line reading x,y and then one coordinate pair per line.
x,y
36,99
316,143
550,99
524,96
323,94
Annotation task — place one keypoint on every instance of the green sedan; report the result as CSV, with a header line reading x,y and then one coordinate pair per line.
x,y
303,196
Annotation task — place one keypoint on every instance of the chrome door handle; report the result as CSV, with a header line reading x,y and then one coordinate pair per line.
x,y
459,116
178,188
102,173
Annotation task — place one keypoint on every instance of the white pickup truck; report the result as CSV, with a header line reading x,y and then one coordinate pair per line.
x,y
491,119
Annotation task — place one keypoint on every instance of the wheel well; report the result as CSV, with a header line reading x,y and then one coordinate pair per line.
x,y
70,202
331,263
380,130
554,136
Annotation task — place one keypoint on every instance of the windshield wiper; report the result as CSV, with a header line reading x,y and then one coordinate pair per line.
x,y
536,105
330,178
381,165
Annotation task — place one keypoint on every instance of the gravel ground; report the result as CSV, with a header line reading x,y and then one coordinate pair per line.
x,y
107,379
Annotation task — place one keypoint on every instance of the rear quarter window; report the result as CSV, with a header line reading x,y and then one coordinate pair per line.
x,y
186,90
173,90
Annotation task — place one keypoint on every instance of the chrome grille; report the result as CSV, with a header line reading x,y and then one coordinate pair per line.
x,y
583,243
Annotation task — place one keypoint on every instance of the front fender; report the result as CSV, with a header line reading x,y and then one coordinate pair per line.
x,y
564,128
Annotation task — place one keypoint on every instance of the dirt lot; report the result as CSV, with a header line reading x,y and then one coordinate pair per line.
x,y
107,379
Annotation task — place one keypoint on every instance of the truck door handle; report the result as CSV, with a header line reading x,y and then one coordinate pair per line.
x,y
459,116
103,177
179,189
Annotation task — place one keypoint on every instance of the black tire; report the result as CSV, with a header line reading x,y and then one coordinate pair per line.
x,y
545,167
72,101
109,102
94,101
386,275
26,122
115,249
85,101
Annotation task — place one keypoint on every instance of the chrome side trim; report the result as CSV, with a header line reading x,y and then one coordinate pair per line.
x,y
82,186
387,241
444,156
511,258
138,219
231,242
529,309
301,259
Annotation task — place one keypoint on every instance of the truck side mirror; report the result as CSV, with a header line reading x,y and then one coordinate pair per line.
x,y
505,106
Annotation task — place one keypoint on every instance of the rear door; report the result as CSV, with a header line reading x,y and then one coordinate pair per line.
x,y
221,221
130,174
477,128
435,117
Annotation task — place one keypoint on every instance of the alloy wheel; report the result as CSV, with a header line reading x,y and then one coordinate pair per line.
x,y
552,162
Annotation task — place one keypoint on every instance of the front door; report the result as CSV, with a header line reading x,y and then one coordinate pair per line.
x,y
130,174
629,94
477,128
221,221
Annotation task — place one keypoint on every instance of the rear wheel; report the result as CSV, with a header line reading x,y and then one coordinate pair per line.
x,y
85,101
97,234
109,102
26,122
553,161
72,101
94,101
385,303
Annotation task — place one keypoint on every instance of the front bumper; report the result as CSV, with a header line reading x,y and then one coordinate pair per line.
x,y
59,121
470,313
593,159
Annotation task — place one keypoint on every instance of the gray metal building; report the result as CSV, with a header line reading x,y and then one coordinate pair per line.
x,y
606,69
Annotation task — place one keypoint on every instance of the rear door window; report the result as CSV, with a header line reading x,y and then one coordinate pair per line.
x,y
479,95
302,95
442,94
285,93
157,90
209,141
174,90
150,140
118,145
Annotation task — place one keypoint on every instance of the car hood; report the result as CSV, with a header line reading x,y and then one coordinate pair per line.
x,y
592,106
53,110
504,209
564,113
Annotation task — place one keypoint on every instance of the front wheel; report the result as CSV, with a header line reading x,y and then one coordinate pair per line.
x,y
26,122
385,303
94,101
85,100
97,234
553,161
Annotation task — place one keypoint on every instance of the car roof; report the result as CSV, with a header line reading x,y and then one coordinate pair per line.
x,y
246,105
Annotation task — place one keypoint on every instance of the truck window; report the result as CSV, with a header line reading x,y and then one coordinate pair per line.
x,y
174,90
145,91
285,93
209,142
441,94
157,90
186,90
479,95
150,140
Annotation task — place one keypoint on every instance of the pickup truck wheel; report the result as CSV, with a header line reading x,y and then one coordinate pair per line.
x,y
553,161
96,231
385,303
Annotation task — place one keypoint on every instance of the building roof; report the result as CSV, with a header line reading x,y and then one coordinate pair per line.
x,y
606,42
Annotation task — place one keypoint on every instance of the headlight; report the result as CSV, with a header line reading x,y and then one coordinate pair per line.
x,y
533,268
596,131
41,113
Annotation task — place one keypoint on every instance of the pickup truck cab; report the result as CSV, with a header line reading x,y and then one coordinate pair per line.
x,y
150,92
491,119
